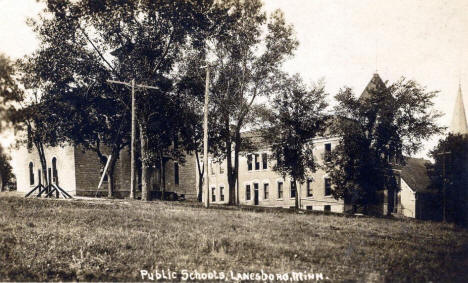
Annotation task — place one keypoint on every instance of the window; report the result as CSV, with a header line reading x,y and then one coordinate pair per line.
x,y
211,168
327,208
221,193
309,187
327,156
249,162
247,192
293,189
176,173
327,186
213,194
31,173
266,191
280,190
221,168
257,162
54,171
309,207
265,161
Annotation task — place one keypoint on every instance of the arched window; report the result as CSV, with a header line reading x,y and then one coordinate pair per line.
x,y
54,171
31,173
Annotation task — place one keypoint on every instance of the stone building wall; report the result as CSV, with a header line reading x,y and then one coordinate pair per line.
x,y
22,157
317,200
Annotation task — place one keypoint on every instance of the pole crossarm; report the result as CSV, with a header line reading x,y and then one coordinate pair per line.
x,y
136,85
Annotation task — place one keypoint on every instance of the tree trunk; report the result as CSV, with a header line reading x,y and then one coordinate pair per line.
x,y
296,197
163,169
110,176
144,165
42,159
160,173
200,179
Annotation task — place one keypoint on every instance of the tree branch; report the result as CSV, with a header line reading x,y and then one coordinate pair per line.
x,y
97,50
171,36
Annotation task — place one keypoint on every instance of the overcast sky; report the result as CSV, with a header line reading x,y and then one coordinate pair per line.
x,y
343,42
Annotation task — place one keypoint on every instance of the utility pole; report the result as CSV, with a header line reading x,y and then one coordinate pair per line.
x,y
444,185
205,138
133,138
133,146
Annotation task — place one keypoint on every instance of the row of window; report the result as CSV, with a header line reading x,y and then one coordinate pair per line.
x,y
254,162
292,192
52,172
266,190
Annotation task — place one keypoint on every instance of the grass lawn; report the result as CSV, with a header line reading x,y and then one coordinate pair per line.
x,y
115,239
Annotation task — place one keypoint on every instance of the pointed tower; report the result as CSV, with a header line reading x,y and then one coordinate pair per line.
x,y
458,125
374,84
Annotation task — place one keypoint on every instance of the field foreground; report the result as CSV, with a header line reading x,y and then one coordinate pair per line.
x,y
115,239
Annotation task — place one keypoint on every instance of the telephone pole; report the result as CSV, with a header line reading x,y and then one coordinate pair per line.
x,y
444,185
133,138
205,138
132,145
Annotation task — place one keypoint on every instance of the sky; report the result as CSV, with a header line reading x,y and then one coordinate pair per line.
x,y
343,42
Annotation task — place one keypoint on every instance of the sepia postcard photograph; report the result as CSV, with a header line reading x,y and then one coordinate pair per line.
x,y
233,141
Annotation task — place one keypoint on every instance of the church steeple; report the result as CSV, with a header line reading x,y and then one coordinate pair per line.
x,y
458,125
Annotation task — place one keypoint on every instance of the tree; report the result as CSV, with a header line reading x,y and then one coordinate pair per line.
x,y
6,172
89,42
375,131
451,166
8,93
9,90
22,109
247,61
297,117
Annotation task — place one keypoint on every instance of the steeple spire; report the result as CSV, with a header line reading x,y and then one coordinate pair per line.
x,y
458,125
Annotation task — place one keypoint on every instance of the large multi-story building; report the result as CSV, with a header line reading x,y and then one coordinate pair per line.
x,y
259,185
78,172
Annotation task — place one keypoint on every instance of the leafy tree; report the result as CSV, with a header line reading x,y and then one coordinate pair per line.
x,y
297,117
375,131
6,172
9,90
88,42
22,109
247,61
452,153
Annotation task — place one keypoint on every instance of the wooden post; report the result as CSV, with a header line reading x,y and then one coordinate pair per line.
x,y
132,141
205,139
132,145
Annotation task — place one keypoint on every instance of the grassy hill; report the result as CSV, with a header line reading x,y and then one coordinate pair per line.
x,y
115,240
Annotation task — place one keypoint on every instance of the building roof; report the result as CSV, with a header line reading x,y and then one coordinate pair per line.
x,y
375,83
414,173
458,125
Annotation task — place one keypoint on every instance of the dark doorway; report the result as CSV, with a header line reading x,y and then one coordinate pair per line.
x,y
255,194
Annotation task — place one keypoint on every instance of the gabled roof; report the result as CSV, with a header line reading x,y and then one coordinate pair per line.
x,y
414,173
458,125
375,83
